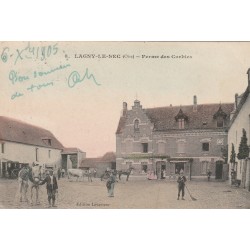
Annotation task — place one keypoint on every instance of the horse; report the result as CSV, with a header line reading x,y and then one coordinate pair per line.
x,y
126,172
29,177
23,182
106,174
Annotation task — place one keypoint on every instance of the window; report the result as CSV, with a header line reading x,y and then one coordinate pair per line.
x,y
136,125
47,141
37,154
204,167
181,147
205,146
220,122
144,147
144,168
49,153
181,123
2,148
161,148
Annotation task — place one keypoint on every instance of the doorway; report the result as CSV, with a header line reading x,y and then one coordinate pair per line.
x,y
218,170
160,168
178,167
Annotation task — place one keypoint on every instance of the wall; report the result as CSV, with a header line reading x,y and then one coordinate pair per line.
x,y
235,133
27,154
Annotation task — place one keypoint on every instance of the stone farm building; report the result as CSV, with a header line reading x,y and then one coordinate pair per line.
x,y
23,143
172,138
100,164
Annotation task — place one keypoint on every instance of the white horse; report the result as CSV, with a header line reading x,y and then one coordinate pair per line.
x,y
29,177
23,182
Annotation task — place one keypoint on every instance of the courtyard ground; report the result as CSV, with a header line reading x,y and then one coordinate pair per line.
x,y
136,193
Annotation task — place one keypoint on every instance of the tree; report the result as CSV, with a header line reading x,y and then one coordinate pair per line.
x,y
73,159
224,151
243,148
233,155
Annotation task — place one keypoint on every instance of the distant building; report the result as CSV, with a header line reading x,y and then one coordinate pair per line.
x,y
240,119
22,143
170,139
100,164
72,158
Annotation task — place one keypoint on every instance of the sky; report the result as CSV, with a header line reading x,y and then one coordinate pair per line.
x,y
39,83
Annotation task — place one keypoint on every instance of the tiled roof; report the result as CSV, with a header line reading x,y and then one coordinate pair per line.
x,y
110,156
92,162
71,150
21,132
121,124
89,162
243,99
163,118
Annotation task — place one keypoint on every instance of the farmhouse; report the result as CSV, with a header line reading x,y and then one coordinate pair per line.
x,y
166,140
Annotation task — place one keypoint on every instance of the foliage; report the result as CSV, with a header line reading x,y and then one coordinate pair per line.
x,y
224,151
243,148
73,159
233,155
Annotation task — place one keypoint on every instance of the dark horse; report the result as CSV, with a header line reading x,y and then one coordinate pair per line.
x,y
106,174
126,172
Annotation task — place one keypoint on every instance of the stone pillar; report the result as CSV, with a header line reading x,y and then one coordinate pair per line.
x,y
69,163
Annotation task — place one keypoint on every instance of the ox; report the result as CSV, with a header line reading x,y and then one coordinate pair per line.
x,y
79,174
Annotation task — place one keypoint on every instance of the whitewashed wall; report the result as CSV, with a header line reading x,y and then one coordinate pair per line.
x,y
27,154
235,132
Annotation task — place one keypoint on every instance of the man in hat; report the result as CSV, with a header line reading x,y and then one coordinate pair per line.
x,y
52,187
181,185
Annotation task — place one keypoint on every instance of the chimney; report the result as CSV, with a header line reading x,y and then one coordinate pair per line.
x,y
248,72
195,104
236,101
125,108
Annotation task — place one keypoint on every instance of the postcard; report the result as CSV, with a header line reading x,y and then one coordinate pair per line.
x,y
124,125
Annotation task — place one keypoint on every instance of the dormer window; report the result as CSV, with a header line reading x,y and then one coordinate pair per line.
x,y
220,117
136,125
47,141
181,123
181,118
220,122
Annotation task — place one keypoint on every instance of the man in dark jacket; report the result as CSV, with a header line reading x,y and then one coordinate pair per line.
x,y
181,185
111,186
51,186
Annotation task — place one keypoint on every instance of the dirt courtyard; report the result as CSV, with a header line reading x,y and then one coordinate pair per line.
x,y
136,193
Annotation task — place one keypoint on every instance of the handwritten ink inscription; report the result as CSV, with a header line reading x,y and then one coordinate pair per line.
x,y
29,52
40,77
75,78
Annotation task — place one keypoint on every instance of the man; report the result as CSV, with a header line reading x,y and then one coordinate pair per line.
x,y
111,185
52,187
63,172
209,173
181,185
